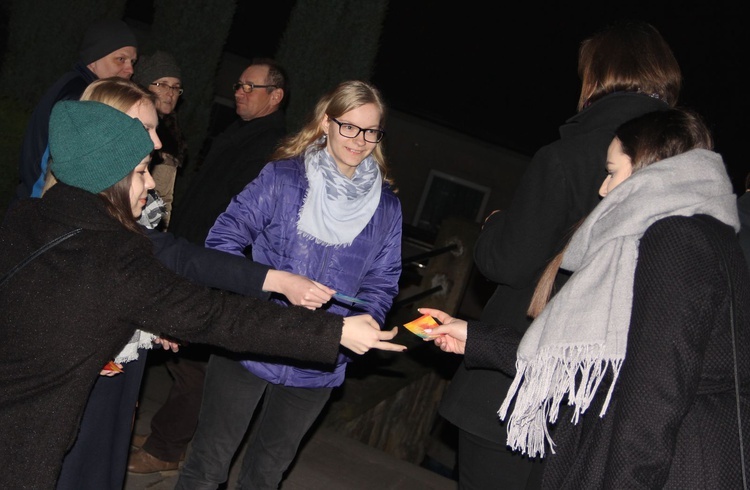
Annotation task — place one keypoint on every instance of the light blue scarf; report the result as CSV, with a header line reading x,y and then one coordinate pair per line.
x,y
336,209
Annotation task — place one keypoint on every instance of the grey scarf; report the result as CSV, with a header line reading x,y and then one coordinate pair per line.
x,y
583,330
336,209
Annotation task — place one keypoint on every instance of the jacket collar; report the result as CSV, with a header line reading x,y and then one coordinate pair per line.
x,y
77,208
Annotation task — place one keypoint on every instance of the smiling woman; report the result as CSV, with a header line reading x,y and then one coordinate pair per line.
x,y
324,208
110,269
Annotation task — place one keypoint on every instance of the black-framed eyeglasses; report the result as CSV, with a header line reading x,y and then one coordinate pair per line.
x,y
348,130
163,88
249,86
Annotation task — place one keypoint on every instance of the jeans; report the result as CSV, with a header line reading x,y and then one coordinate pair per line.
x,y
230,397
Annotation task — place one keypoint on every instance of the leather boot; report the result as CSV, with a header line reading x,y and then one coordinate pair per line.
x,y
143,463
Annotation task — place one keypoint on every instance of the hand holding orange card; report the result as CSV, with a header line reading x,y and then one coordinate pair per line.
x,y
417,326
111,366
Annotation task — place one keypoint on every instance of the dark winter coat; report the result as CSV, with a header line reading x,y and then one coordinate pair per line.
x,y
743,206
68,87
264,215
559,188
209,267
236,157
69,311
672,421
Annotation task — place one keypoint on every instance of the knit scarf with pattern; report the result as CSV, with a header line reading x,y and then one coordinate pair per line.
x,y
336,209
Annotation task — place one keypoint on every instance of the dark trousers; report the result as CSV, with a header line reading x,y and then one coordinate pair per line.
x,y
489,465
230,397
99,457
173,425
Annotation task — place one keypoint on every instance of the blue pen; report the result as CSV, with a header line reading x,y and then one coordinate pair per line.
x,y
349,299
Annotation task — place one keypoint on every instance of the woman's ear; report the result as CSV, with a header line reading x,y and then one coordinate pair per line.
x,y
324,124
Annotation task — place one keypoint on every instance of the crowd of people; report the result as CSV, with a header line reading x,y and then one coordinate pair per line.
x,y
614,352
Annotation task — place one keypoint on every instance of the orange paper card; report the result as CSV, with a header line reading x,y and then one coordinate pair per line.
x,y
417,326
111,366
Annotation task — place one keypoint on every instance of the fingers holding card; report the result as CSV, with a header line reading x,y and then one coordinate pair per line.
x,y
417,327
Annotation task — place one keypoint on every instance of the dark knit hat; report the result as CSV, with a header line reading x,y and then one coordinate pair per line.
x,y
104,37
93,146
153,67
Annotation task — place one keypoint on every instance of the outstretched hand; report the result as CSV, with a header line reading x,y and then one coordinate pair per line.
x,y
299,290
362,333
167,344
451,334
111,369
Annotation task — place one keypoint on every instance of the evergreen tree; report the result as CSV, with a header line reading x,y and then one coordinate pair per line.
x,y
43,41
195,32
325,43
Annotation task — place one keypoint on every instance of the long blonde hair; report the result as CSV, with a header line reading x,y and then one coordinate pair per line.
x,y
347,96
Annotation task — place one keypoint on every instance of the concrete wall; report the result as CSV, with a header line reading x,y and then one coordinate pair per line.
x,y
414,146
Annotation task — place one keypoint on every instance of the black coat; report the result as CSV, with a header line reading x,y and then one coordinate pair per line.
x,y
74,308
559,188
68,87
236,157
743,206
672,420
209,267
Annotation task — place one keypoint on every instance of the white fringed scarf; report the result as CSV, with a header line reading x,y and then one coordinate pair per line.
x,y
336,209
583,331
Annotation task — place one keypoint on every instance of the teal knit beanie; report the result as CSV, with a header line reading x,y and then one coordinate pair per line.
x,y
93,146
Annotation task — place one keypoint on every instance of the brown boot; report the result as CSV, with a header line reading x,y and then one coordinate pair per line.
x,y
143,463
138,440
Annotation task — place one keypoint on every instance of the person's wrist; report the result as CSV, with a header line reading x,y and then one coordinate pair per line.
x,y
271,283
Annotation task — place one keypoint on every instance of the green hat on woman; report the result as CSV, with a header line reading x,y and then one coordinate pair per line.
x,y
93,146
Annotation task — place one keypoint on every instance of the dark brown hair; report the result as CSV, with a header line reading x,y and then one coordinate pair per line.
x,y
117,199
628,56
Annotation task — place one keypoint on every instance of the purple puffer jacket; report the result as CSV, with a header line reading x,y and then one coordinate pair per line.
x,y
264,216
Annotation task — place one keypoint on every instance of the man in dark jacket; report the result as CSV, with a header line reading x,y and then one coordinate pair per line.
x,y
236,156
109,49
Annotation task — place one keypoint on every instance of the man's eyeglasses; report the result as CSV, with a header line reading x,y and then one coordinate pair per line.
x,y
163,88
351,131
248,87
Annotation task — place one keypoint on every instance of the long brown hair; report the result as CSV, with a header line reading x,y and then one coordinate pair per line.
x,y
646,139
628,56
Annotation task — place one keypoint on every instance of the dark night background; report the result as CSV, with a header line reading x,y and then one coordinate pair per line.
x,y
507,73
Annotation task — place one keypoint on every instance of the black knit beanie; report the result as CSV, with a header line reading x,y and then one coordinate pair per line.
x,y
155,66
104,37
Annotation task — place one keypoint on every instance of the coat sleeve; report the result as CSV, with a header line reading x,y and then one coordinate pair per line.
x,y
491,347
677,291
207,267
159,301
517,242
